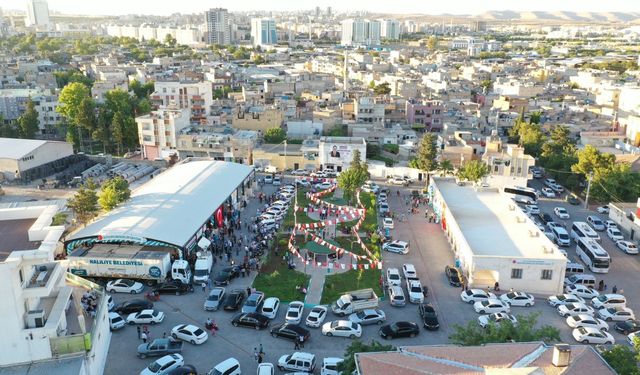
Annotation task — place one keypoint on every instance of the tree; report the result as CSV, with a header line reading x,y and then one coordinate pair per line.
x,y
86,117
446,167
622,359
427,152
84,203
382,89
353,177
531,138
275,135
28,122
591,160
348,366
69,102
473,170
432,43
114,192
170,40
118,131
486,85
472,334
141,91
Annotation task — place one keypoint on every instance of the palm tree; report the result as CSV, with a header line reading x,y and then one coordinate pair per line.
x,y
445,167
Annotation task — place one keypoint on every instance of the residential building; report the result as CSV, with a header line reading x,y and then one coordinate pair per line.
x,y
367,110
158,131
510,104
360,32
223,144
425,112
508,164
475,218
263,32
627,217
304,129
336,153
259,118
196,96
37,13
218,26
390,29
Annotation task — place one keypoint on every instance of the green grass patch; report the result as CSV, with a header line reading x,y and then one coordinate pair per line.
x,y
394,149
387,161
337,284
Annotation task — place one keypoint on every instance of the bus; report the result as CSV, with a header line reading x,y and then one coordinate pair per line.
x,y
580,229
593,255
522,194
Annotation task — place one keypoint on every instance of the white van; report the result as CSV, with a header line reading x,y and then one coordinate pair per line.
x,y
561,236
581,279
298,361
573,267
271,169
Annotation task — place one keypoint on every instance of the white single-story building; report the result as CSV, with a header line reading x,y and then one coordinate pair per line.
x,y
494,241
29,159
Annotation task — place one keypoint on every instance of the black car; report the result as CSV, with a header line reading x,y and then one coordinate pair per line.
x,y
233,300
290,332
226,275
429,316
173,287
399,329
453,275
573,200
183,370
545,217
133,306
627,327
251,320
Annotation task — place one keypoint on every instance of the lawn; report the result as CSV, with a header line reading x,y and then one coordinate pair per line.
x,y
337,284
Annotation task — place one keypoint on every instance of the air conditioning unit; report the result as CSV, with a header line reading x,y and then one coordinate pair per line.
x,y
36,319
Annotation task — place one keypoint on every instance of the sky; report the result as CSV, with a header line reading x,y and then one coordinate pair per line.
x,y
167,7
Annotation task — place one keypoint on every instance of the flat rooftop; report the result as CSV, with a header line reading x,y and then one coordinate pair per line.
x,y
489,224
114,250
14,236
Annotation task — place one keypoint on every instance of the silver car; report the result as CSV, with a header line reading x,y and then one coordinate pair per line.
x,y
369,316
215,298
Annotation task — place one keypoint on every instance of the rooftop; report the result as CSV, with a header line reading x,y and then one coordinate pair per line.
x,y
485,216
15,236
13,148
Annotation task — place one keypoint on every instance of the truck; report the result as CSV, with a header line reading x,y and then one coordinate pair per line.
x,y
159,347
354,301
202,267
114,261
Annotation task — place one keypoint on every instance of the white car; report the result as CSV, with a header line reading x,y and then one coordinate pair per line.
x,y
603,209
300,172
163,365
387,222
323,185
627,246
414,288
485,320
189,333
615,234
610,224
619,314
561,212
303,183
592,336
490,306
316,316
518,299
476,295
318,174
575,309
409,271
581,291
277,181
393,277
342,328
631,338
547,192
587,321
563,299
294,312
146,317
266,368
549,182
270,307
330,366
368,316
557,188
532,209
124,286
396,246
268,179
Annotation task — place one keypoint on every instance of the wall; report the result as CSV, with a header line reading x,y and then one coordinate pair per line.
x,y
46,153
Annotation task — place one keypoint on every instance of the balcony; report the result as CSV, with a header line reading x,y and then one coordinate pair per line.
x,y
43,280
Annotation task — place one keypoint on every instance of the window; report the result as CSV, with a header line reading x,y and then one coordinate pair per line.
x,y
516,273
546,274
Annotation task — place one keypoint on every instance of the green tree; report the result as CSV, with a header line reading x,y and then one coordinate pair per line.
x,y
101,132
531,138
141,91
170,40
622,359
432,43
69,102
28,122
473,170
259,59
114,192
118,131
427,153
118,100
591,160
348,366
353,177
472,334
275,135
486,85
615,183
382,89
445,167
84,203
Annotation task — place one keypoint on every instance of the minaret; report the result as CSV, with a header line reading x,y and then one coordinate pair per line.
x,y
344,72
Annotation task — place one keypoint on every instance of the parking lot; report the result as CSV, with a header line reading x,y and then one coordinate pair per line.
x,y
430,253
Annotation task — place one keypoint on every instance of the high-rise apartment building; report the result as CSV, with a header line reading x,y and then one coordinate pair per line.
x,y
390,29
218,26
37,13
360,32
263,31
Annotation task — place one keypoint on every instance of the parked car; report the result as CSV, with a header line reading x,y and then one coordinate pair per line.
x,y
547,192
266,368
233,300
330,366
592,336
387,223
615,234
134,305
399,329
227,274
496,318
453,275
610,224
618,314
564,299
393,277
323,185
573,200
545,217
294,312
229,366
581,291
397,180
596,223
472,296
609,300
627,246
189,333
145,317
253,302
270,307
409,270
163,365
342,328
415,291
124,286
298,361
268,179
492,305
214,299
561,212
291,332
251,320
518,299
399,247
575,309
586,320
627,327
316,316
173,287
368,316
115,321
429,317
532,209
603,209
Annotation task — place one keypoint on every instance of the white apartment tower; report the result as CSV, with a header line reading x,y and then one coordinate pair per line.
x,y
263,31
218,26
37,13
360,32
390,29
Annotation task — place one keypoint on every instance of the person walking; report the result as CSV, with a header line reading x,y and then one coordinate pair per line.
x,y
296,345
256,355
138,329
204,286
143,336
260,357
248,291
615,289
302,342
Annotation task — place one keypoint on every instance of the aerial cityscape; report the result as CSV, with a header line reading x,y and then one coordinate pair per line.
x,y
360,188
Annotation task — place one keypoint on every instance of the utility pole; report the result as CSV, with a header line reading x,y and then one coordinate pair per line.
x,y
586,199
285,157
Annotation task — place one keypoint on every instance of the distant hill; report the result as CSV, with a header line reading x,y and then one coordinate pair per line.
x,y
509,15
